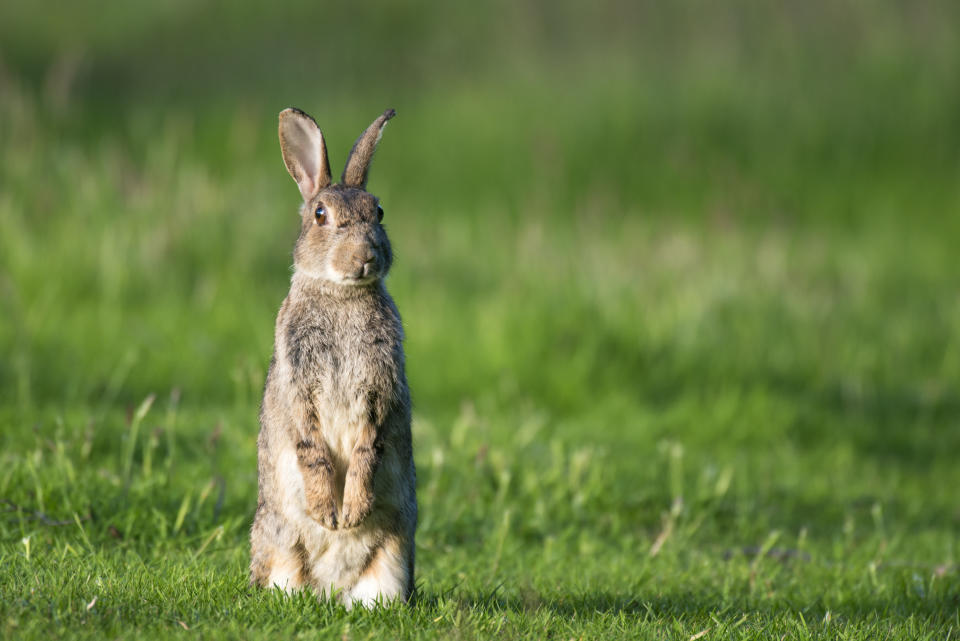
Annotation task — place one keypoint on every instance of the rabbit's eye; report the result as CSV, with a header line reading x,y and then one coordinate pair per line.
x,y
379,212
321,215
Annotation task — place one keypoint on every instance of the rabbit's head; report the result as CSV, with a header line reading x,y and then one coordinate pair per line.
x,y
341,239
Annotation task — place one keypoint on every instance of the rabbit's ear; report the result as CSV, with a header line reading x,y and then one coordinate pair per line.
x,y
304,152
355,173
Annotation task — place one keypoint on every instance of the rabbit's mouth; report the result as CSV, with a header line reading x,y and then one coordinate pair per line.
x,y
329,274
360,277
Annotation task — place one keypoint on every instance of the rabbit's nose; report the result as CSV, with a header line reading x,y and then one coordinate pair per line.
x,y
367,263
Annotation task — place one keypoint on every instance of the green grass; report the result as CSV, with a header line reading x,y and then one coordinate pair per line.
x,y
680,288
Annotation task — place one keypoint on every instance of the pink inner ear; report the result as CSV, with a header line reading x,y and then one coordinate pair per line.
x,y
308,189
305,157
303,151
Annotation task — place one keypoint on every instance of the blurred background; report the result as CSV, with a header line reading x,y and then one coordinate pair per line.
x,y
650,256
556,165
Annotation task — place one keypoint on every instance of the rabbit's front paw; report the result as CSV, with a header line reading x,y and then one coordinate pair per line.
x,y
318,483
356,507
323,512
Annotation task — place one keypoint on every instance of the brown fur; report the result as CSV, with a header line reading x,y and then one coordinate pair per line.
x,y
358,163
337,503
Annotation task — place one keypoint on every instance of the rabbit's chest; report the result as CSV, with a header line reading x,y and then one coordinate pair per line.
x,y
338,371
339,414
341,378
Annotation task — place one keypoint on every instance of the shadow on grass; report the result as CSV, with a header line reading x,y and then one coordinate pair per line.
x,y
940,610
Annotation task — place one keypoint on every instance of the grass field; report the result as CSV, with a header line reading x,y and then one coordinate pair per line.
x,y
681,288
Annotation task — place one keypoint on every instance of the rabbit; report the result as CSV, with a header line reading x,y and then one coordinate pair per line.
x,y
337,506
